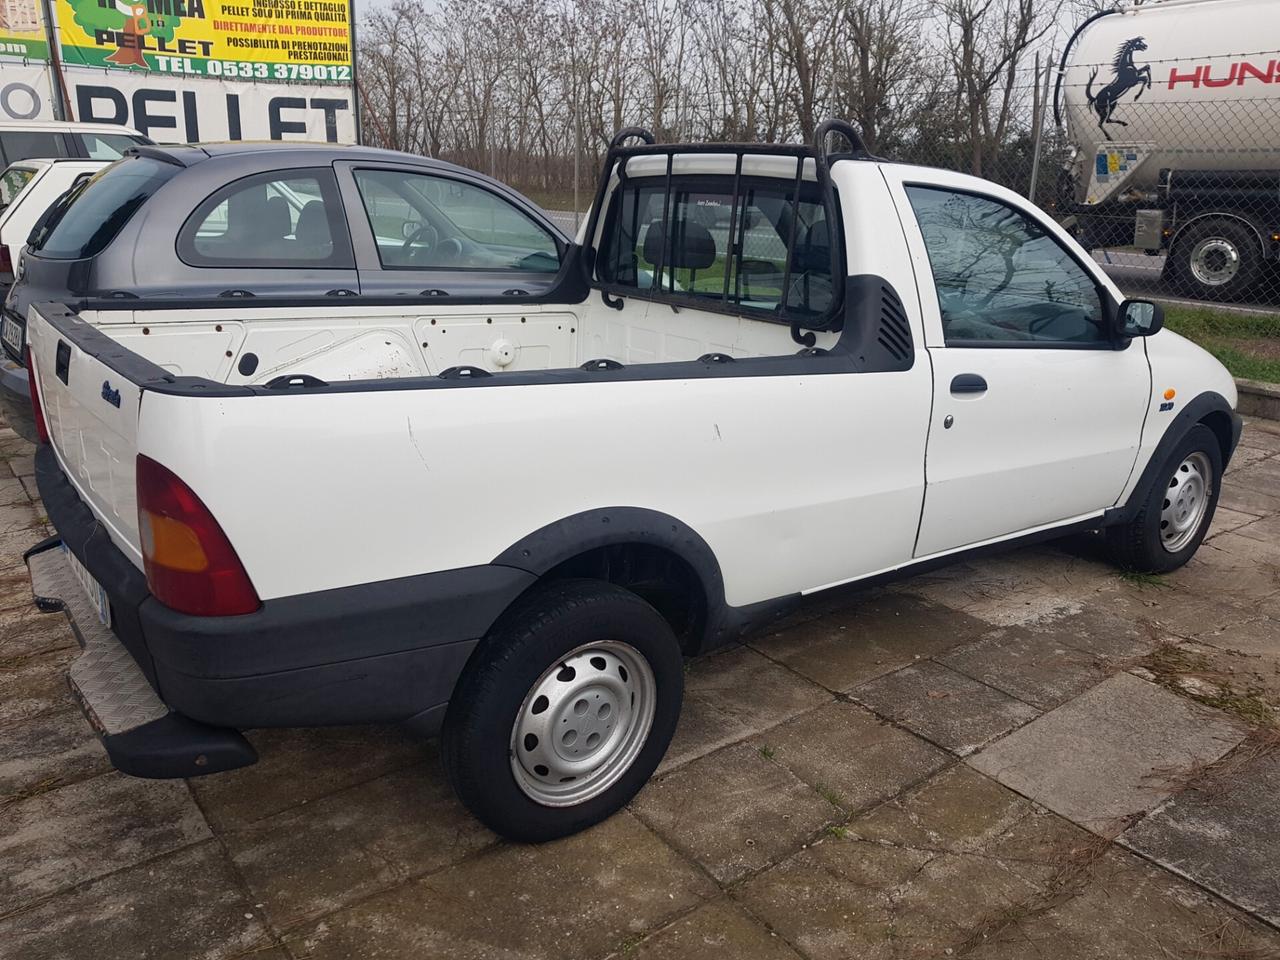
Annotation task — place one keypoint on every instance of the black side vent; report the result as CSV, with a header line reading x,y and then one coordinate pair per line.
x,y
876,333
895,332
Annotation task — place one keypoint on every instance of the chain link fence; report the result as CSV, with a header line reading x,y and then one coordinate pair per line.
x,y
1175,197
1174,190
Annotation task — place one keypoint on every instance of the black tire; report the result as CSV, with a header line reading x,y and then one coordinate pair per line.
x,y
539,631
1138,545
1182,274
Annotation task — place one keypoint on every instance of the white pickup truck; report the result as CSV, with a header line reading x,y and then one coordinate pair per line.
x,y
779,370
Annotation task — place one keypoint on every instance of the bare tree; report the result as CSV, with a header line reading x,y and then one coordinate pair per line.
x,y
534,89
988,40
883,67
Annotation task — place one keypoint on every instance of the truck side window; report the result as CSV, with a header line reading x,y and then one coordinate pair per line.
x,y
422,222
285,219
1001,277
736,250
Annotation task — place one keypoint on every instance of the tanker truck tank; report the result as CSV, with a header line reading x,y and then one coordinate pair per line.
x,y
1172,113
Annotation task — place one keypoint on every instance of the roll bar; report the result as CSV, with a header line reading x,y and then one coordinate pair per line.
x,y
620,153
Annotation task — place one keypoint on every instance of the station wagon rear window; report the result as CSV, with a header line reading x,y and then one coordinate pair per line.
x,y
90,215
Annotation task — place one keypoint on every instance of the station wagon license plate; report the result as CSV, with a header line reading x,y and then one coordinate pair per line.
x,y
11,333
97,596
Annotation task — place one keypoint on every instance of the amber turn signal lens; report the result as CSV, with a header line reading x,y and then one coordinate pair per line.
x,y
1170,393
171,543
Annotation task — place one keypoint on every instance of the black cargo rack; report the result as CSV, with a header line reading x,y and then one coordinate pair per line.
x,y
618,156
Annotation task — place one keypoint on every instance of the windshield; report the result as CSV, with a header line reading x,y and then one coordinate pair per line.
x,y
89,216
12,182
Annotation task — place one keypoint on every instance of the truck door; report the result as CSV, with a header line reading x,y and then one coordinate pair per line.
x,y
1037,411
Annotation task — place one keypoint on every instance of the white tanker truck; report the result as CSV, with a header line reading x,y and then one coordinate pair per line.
x,y
1173,111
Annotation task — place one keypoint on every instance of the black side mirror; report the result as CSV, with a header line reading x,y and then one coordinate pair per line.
x,y
1139,318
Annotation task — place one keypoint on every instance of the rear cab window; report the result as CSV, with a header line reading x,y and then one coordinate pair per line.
x,y
89,216
746,244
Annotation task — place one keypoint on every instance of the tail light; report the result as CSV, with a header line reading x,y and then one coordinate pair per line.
x,y
190,564
42,431
6,260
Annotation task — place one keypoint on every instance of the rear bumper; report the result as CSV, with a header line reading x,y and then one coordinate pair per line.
x,y
15,399
381,652
142,736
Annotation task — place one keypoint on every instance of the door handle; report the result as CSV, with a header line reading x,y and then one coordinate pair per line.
x,y
968,383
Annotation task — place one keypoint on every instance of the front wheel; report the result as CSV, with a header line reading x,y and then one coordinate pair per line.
x,y
564,711
1177,511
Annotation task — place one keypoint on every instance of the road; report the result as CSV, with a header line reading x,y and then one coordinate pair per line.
x,y
1137,274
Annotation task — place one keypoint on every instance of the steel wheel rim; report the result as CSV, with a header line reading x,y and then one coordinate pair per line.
x,y
583,723
1215,261
1186,499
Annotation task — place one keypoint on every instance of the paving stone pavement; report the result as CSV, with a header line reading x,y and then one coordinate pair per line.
x,y
1026,755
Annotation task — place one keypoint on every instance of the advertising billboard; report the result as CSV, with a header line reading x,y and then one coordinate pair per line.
x,y
184,70
22,31
172,109
26,92
286,41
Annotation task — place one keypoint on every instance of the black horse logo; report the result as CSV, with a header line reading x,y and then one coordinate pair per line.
x,y
1128,75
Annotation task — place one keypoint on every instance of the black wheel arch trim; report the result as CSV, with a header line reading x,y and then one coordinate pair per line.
x,y
544,549
1240,216
1194,412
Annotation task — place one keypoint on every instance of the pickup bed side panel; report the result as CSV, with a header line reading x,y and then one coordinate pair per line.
x,y
793,481
92,415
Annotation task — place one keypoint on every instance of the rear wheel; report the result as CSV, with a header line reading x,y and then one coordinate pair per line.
x,y
1177,511
1215,259
564,711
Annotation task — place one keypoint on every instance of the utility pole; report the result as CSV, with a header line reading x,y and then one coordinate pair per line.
x,y
577,154
61,99
355,78
1041,101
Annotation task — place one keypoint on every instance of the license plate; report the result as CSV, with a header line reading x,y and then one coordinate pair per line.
x,y
97,596
11,333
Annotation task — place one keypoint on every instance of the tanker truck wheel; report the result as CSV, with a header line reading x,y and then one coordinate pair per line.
x,y
1215,259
